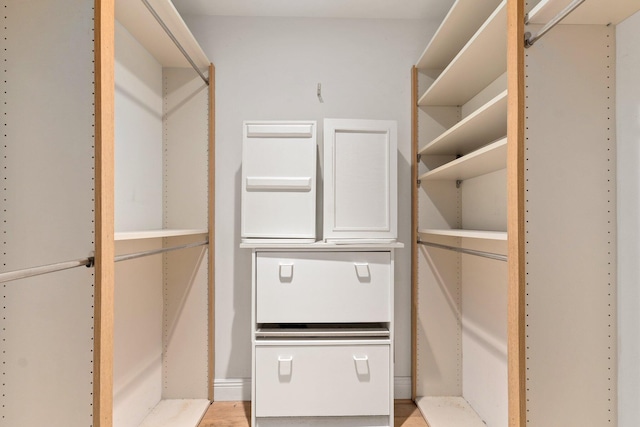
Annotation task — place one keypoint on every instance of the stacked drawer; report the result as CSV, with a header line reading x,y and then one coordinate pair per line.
x,y
326,358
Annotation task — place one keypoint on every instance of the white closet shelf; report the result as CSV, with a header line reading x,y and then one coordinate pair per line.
x,y
137,19
489,158
448,411
470,234
485,124
176,413
589,12
464,19
481,61
155,234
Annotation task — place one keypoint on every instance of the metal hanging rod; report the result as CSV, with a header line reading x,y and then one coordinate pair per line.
x,y
174,40
87,262
127,257
483,254
529,39
45,269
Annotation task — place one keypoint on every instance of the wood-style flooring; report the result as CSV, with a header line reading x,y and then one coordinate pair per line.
x,y
238,414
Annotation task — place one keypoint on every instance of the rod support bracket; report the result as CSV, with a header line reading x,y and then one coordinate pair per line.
x,y
527,40
458,183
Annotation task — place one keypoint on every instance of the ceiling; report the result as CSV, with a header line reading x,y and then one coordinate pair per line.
x,y
432,10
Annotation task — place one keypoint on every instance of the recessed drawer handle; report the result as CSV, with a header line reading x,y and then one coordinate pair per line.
x,y
286,272
362,271
284,366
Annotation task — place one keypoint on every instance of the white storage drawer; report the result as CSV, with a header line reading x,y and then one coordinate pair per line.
x,y
323,287
322,380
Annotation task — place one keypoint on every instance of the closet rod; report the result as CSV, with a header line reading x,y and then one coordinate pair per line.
x,y
529,39
483,254
87,262
44,269
135,255
174,40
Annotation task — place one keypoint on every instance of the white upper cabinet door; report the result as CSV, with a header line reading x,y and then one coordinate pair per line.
x,y
360,180
279,180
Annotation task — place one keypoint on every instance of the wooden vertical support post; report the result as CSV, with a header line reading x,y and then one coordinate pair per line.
x,y
414,231
104,213
212,223
515,214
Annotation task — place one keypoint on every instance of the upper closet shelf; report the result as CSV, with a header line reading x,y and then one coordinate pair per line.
x,y
489,158
487,123
481,61
139,21
602,12
463,19
155,234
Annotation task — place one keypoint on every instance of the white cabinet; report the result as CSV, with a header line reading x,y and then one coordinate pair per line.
x,y
279,180
322,334
360,180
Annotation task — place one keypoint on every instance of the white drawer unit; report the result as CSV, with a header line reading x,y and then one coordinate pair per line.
x,y
322,334
316,379
323,287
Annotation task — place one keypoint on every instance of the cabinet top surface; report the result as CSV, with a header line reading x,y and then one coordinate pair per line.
x,y
323,246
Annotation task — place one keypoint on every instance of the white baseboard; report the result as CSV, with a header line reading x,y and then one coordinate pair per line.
x,y
402,388
232,390
239,389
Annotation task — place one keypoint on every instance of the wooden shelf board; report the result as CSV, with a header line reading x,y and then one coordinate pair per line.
x,y
177,413
483,125
481,61
598,12
155,234
448,411
470,234
462,21
489,158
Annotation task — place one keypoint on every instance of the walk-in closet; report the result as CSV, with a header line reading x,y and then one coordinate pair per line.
x,y
410,213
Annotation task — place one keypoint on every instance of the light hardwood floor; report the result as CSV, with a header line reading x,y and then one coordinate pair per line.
x,y
238,414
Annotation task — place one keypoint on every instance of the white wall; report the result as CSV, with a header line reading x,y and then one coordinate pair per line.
x,y
138,136
268,69
628,134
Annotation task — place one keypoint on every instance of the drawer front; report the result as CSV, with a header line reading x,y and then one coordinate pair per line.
x,y
321,287
308,381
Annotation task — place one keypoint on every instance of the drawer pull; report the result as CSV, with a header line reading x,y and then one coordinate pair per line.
x,y
286,272
284,367
362,271
362,367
